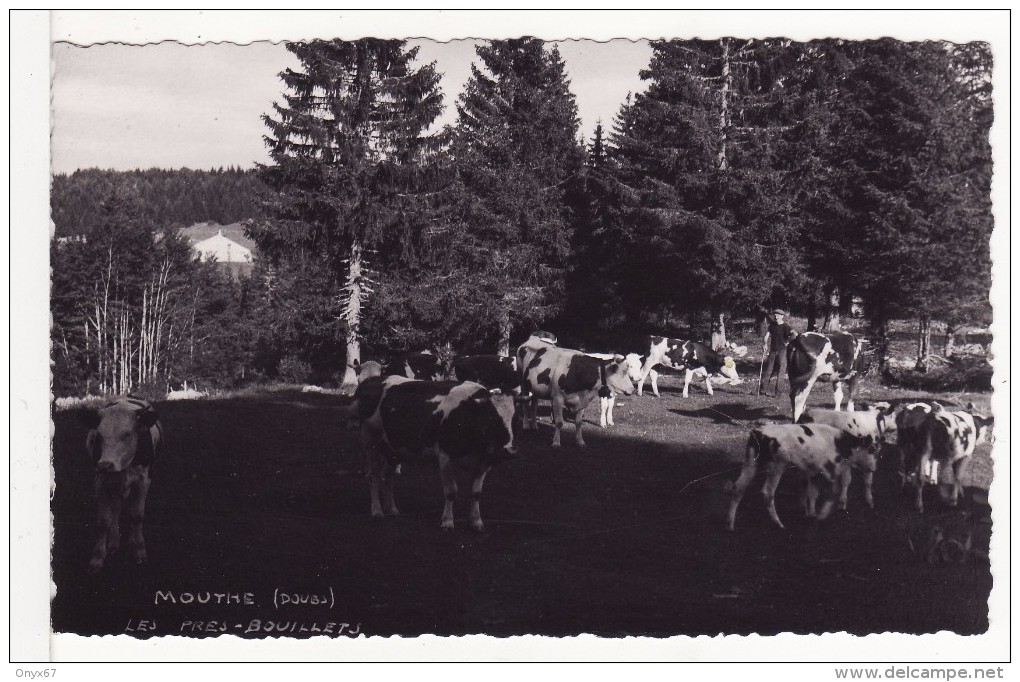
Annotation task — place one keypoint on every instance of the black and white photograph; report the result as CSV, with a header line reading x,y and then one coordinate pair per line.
x,y
458,327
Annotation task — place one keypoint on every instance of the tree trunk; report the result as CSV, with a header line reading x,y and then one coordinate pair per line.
x,y
831,323
505,327
950,343
718,331
724,110
923,342
354,293
812,310
881,333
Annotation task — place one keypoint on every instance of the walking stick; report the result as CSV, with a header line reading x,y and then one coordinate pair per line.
x,y
761,370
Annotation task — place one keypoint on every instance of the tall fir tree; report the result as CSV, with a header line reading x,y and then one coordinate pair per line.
x,y
703,148
515,149
349,144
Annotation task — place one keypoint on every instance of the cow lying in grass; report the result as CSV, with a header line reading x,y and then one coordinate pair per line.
x,y
932,439
124,437
469,428
819,451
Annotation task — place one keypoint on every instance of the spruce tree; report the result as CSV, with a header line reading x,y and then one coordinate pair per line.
x,y
348,146
703,149
515,149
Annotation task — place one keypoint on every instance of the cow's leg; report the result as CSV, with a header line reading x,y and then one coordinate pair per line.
x,y
557,415
449,490
844,478
609,412
799,396
476,499
837,394
578,422
774,472
851,387
604,407
533,412
655,382
869,477
388,481
810,496
739,488
373,467
958,468
135,509
109,510
834,492
646,371
688,375
708,383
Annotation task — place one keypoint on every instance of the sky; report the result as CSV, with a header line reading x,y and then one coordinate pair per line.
x,y
170,105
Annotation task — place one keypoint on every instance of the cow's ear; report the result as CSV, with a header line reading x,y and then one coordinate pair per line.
x,y
89,418
618,358
147,418
970,407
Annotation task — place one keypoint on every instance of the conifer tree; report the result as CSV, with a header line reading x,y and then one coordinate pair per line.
x,y
702,148
515,149
348,144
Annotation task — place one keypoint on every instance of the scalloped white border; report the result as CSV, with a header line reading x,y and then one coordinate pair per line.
x,y
30,430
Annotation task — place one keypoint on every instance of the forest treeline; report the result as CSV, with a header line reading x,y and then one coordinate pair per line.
x,y
749,174
179,197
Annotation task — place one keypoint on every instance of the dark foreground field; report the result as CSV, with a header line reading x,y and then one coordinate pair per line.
x,y
262,495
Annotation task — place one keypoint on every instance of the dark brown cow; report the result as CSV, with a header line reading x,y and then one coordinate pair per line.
x,y
490,371
124,438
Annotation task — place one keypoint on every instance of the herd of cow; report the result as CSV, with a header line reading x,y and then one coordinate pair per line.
x,y
471,422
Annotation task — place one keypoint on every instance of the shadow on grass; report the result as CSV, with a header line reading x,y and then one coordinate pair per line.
x,y
732,413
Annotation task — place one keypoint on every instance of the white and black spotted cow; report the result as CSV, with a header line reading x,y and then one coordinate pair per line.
x,y
571,380
871,423
469,427
819,451
834,357
693,357
931,440
124,438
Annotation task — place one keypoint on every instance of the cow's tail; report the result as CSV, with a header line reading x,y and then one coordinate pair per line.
x,y
604,390
753,450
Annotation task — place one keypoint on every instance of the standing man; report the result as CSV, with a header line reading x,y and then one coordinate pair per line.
x,y
774,362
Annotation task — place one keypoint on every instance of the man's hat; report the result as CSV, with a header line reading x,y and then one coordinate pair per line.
x,y
780,311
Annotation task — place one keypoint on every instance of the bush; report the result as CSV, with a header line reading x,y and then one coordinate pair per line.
x,y
293,370
965,373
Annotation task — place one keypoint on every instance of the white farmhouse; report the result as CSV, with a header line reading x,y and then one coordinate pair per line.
x,y
222,250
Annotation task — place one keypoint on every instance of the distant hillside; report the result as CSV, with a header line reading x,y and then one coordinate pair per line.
x,y
165,198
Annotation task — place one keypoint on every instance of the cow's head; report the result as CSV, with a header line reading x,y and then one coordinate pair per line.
x,y
860,451
119,436
618,376
729,370
634,366
982,425
502,435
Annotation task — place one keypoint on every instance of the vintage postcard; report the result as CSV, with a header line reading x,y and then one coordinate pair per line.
x,y
677,336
